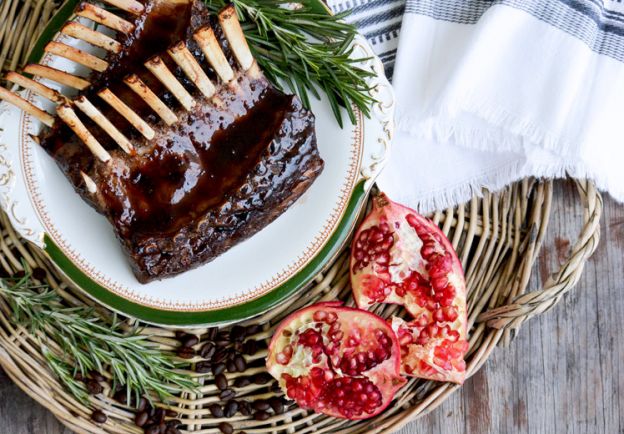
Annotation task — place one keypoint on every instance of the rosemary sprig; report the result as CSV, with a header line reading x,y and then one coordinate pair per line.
x,y
83,342
307,50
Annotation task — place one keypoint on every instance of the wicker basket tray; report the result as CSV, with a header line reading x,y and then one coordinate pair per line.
x,y
498,239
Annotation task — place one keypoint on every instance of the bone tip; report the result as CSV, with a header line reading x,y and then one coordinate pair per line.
x,y
89,183
137,8
154,61
131,79
178,46
228,12
203,32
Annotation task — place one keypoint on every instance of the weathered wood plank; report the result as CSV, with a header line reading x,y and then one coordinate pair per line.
x,y
564,373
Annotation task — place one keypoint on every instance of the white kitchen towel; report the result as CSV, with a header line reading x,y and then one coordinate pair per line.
x,y
489,92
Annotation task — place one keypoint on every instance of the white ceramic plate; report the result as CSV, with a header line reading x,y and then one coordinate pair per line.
x,y
249,278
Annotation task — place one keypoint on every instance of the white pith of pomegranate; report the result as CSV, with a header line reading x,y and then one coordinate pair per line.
x,y
340,361
400,257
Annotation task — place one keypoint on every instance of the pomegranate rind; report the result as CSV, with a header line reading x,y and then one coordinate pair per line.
x,y
299,370
400,257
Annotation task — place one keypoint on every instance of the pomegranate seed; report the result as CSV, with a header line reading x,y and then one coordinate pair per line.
x,y
377,236
439,282
450,313
319,315
438,315
382,258
427,250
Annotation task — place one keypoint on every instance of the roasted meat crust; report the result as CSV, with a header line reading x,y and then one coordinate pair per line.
x,y
220,174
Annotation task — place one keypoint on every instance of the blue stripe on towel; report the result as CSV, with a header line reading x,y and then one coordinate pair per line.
x,y
379,21
598,23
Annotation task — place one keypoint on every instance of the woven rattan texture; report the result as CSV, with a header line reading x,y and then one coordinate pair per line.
x,y
498,239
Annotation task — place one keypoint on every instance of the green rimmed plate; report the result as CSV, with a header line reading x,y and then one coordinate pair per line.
x,y
248,279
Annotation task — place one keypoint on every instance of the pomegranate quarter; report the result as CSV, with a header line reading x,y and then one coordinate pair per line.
x,y
400,257
336,360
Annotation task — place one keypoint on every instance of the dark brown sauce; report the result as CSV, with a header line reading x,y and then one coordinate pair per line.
x,y
194,170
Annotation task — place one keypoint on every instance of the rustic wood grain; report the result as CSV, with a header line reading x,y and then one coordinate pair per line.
x,y
564,372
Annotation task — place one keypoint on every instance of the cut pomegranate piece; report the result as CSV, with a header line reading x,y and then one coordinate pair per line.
x,y
400,257
340,361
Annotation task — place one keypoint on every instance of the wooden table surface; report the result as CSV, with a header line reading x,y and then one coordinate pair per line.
x,y
564,373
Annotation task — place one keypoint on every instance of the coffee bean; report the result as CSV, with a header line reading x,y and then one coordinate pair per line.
x,y
203,367
185,352
141,419
252,329
277,405
151,429
220,355
172,430
98,416
237,333
261,404
207,350
121,397
275,387
212,333
170,413
97,376
39,273
222,344
189,341
250,347
216,410
159,416
242,382
179,334
244,407
21,273
231,366
93,387
261,415
231,407
142,404
227,394
152,412
261,378
226,428
221,382
79,377
218,368
238,347
240,363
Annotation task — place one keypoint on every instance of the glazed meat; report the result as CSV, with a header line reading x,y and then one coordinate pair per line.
x,y
214,160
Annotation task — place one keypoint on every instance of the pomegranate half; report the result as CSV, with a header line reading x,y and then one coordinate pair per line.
x,y
336,360
400,257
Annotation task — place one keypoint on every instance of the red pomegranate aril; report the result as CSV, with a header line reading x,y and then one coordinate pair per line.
x,y
354,369
411,263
